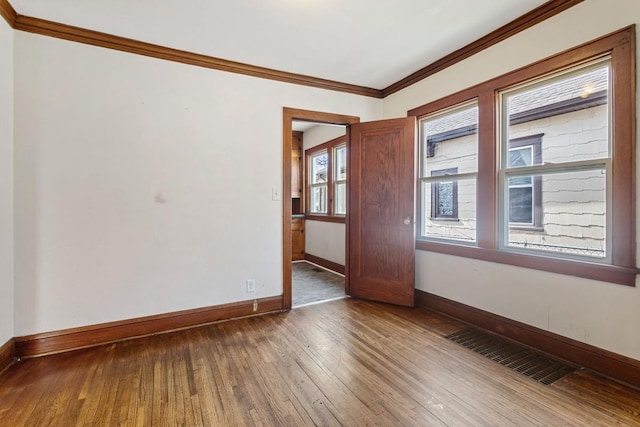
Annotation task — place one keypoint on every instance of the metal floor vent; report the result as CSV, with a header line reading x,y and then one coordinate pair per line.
x,y
521,359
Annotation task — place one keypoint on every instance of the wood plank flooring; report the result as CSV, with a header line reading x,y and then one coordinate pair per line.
x,y
346,362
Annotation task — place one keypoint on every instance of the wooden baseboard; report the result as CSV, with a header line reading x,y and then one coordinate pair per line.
x,y
95,335
329,265
7,354
612,365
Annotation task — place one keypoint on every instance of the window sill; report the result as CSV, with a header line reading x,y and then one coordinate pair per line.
x,y
325,218
444,219
588,270
526,228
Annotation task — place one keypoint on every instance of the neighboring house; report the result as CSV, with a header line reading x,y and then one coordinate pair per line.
x,y
561,121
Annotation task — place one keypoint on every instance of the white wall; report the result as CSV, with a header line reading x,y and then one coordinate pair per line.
x,y
6,183
601,314
321,133
324,239
144,186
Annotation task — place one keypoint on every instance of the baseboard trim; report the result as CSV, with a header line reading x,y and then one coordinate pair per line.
x,y
7,355
105,333
330,265
615,366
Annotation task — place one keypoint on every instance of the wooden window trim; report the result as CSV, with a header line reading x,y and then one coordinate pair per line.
x,y
310,186
620,47
329,147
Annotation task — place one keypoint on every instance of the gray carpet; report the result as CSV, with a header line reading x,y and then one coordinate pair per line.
x,y
312,284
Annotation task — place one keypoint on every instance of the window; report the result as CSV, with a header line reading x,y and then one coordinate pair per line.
x,y
525,193
318,167
572,206
449,167
444,196
327,180
536,168
340,180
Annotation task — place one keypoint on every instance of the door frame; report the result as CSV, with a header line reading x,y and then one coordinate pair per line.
x,y
288,116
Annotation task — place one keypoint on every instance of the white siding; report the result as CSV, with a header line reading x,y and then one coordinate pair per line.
x,y
450,154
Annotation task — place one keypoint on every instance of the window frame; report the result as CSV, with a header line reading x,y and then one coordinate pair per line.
x,y
330,148
338,181
316,185
621,269
428,150
535,142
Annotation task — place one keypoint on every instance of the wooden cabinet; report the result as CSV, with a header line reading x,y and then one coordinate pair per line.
x,y
296,165
297,183
297,239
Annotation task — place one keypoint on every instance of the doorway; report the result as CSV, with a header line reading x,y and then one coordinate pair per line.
x,y
318,200
290,116
380,223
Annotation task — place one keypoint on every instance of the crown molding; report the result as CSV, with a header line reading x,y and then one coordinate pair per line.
x,y
95,38
8,13
528,20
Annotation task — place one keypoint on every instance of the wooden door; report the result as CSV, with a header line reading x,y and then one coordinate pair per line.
x,y
381,237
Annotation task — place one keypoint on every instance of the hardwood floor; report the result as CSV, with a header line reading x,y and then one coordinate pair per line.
x,y
346,362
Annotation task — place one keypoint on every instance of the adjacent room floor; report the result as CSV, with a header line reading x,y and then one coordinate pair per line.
x,y
312,284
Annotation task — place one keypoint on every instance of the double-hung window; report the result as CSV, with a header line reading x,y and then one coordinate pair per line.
x,y
327,180
536,168
318,182
572,183
340,179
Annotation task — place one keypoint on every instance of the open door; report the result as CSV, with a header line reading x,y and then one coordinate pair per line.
x,y
380,225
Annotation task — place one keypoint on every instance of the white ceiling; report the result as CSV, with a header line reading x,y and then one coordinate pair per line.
x,y
371,43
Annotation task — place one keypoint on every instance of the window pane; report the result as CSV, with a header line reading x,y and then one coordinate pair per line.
x,y
523,181
318,200
521,205
573,214
460,228
340,163
341,199
444,196
445,199
570,113
521,156
319,163
450,139
449,148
